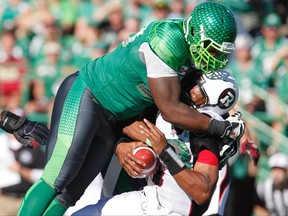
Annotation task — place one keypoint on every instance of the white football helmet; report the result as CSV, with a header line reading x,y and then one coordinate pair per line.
x,y
219,92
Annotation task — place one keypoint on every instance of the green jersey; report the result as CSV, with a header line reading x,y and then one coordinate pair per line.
x,y
119,79
263,55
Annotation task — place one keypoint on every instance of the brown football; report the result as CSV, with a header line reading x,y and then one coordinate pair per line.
x,y
149,157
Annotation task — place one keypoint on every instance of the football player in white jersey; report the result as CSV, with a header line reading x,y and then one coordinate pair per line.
x,y
188,174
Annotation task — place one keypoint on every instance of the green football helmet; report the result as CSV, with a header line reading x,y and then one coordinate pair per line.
x,y
210,31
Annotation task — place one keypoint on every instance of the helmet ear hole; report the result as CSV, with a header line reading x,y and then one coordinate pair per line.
x,y
192,31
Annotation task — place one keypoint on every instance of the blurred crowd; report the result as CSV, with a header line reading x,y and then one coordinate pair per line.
x,y
42,41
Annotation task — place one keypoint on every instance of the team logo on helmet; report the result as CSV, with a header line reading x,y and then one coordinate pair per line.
x,y
227,98
220,91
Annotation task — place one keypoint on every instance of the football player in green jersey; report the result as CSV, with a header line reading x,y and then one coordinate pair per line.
x,y
92,103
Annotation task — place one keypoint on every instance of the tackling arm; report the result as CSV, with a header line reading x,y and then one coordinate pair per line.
x,y
166,94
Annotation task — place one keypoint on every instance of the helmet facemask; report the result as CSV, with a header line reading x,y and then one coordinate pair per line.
x,y
209,56
210,31
198,96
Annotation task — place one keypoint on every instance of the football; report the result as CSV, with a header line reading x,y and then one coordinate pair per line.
x,y
148,156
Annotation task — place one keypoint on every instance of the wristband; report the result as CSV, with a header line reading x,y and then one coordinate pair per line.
x,y
172,161
218,128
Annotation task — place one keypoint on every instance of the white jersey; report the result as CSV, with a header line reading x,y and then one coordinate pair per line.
x,y
170,189
166,198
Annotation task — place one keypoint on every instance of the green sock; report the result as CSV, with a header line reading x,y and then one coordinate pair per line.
x,y
37,199
55,208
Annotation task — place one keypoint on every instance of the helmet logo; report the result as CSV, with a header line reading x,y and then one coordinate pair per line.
x,y
226,98
228,47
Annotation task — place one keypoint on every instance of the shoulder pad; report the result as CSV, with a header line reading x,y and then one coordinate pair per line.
x,y
166,39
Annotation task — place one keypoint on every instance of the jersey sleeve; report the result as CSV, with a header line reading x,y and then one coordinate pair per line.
x,y
167,41
155,66
202,142
207,157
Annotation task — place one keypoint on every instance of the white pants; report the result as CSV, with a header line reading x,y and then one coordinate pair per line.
x,y
131,203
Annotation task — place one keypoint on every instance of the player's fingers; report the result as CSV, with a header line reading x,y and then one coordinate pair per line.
x,y
136,168
134,162
154,132
142,124
131,168
157,133
147,132
152,127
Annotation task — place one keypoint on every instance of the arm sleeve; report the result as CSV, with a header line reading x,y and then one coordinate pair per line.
x,y
207,157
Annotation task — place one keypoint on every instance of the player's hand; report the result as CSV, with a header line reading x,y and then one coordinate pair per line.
x,y
156,138
235,127
126,159
134,132
252,150
28,133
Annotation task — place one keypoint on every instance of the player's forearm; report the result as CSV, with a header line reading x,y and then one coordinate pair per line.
x,y
200,182
186,118
166,91
190,119
197,185
166,94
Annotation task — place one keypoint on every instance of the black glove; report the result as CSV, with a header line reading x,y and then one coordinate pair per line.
x,y
231,129
252,150
28,133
